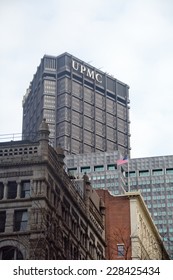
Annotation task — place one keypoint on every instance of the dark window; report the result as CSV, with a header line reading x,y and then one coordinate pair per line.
x,y
111,167
1,190
157,171
2,221
144,173
100,89
120,249
121,100
72,171
99,168
85,169
132,174
10,253
77,78
111,95
89,84
12,190
20,220
169,170
25,189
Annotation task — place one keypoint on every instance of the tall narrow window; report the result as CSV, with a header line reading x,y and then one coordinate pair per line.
x,y
25,189
2,221
20,220
12,190
1,190
120,249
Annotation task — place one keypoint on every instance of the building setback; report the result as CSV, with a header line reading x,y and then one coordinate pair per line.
x,y
43,213
130,230
86,109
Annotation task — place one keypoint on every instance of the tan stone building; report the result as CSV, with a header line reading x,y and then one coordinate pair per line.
x,y
130,231
43,213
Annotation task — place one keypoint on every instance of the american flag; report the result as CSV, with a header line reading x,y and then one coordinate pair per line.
x,y
122,161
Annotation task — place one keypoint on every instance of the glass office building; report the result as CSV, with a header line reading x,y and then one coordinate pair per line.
x,y
87,110
152,176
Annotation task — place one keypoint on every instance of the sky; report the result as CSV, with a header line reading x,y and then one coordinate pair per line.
x,y
129,39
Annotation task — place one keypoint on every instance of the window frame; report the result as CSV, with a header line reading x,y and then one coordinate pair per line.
x,y
20,220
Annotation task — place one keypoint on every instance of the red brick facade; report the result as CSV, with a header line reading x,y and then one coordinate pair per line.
x,y
117,223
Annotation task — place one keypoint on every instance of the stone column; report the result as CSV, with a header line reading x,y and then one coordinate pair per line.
x,y
18,189
5,190
31,188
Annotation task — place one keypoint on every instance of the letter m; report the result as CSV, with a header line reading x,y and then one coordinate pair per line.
x,y
90,73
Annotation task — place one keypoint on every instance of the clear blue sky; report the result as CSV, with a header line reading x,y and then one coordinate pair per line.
x,y
131,40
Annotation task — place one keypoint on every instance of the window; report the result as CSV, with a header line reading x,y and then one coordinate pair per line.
x,y
111,167
120,250
157,171
85,169
99,168
169,170
1,190
20,220
10,253
2,221
144,173
72,171
12,190
25,189
132,173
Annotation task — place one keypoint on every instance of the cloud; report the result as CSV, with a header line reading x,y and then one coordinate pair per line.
x,y
132,40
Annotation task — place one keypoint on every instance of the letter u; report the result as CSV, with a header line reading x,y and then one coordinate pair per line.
x,y
75,65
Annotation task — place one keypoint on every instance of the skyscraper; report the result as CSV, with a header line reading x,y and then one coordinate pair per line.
x,y
87,110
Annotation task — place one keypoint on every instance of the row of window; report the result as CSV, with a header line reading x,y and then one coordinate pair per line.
x,y
11,192
87,169
143,173
19,221
18,151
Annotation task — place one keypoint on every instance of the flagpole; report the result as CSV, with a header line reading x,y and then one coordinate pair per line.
x,y
128,178
121,162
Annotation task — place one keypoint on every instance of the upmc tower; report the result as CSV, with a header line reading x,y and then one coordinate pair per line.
x,y
87,110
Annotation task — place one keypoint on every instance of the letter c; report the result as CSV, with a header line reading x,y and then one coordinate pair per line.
x,y
99,78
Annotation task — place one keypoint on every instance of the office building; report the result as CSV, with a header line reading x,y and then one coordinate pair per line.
x,y
43,213
87,110
152,176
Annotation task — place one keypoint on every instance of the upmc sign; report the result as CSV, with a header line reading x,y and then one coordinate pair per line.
x,y
86,71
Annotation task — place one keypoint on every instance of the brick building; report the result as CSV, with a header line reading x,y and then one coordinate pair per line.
x,y
43,213
130,230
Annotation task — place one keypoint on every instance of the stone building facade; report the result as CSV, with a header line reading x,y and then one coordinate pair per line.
x,y
43,213
130,230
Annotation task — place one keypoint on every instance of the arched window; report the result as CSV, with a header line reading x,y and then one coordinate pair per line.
x,y
10,253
